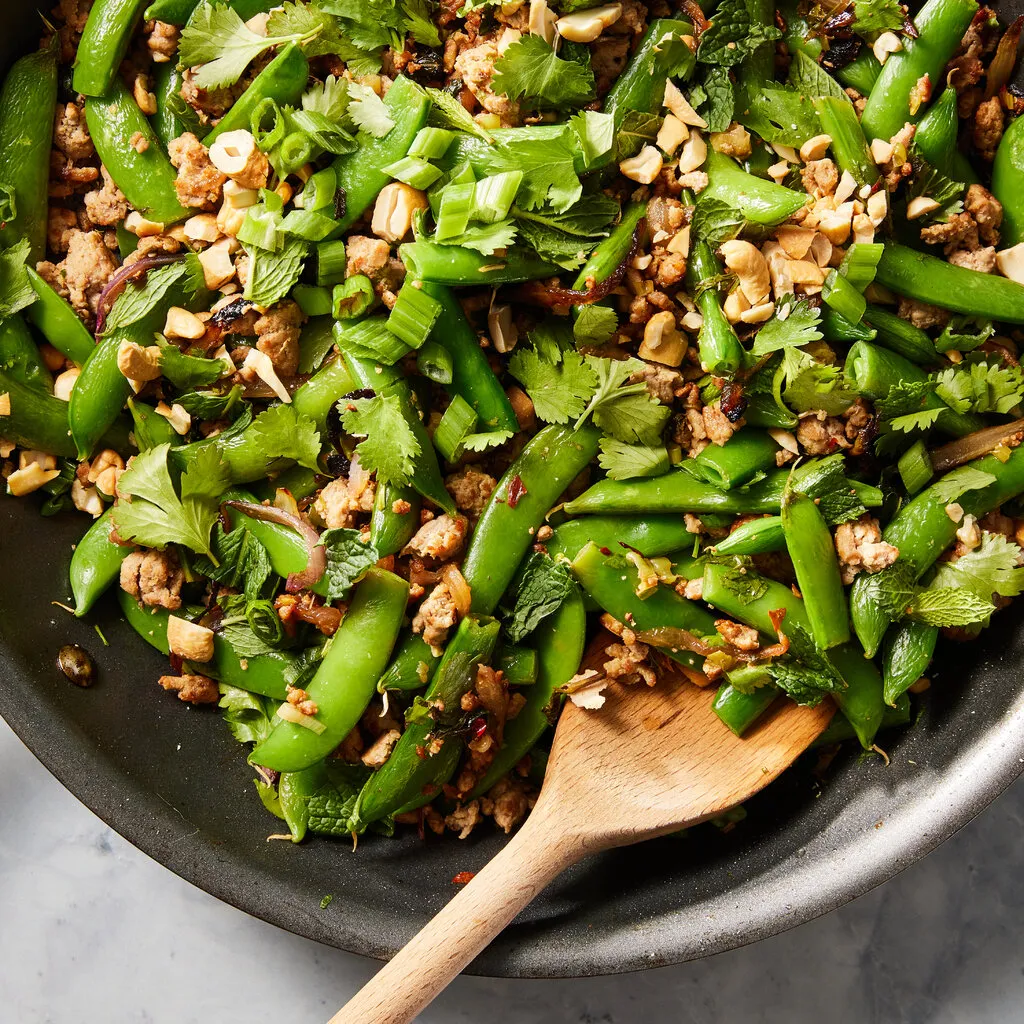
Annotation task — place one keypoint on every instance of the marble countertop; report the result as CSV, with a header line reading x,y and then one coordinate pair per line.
x,y
94,932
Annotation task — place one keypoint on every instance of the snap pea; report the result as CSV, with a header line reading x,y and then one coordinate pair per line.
x,y
936,138
922,530
412,666
36,420
427,477
611,251
720,349
360,173
613,586
390,531
20,355
519,664
906,654
472,376
737,462
173,117
739,710
754,537
901,336
759,200
345,681
412,776
835,327
453,265
95,564
142,172
874,371
849,147
862,72
178,12
810,546
151,429
282,80
318,396
560,642
58,321
100,393
641,86
27,103
531,485
299,481
941,25
266,675
861,701
840,730
104,43
1007,174
650,535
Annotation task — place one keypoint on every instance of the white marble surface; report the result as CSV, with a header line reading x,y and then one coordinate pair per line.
x,y
93,932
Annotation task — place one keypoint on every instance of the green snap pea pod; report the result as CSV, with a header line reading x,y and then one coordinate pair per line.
x,y
345,681
452,265
862,72
611,251
906,654
739,710
839,729
20,354
298,481
737,462
412,666
472,376
95,564
518,663
151,429
813,554
99,394
941,25
650,535
173,115
759,200
321,392
360,173
936,137
901,336
754,537
641,86
835,327
531,485
922,531
560,642
143,174
390,531
411,778
875,370
839,120
27,103
178,12
58,321
861,701
427,478
1007,174
316,343
103,44
799,35
613,587
720,349
266,674
282,80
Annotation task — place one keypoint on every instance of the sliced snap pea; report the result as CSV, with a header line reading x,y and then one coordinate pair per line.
x,y
173,117
390,531
58,322
760,201
740,710
737,462
346,679
754,537
452,265
95,564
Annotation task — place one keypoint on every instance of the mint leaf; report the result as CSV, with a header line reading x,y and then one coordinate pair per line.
x,y
272,275
804,674
16,291
348,558
715,221
238,559
811,80
530,70
735,32
638,129
949,606
186,371
964,334
137,300
715,99
544,586
824,481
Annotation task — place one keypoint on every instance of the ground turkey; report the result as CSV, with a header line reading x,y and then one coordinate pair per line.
x,y
153,578
439,538
199,183
860,546
821,436
343,499
475,67
194,689
107,205
82,274
70,134
436,615
278,333
470,489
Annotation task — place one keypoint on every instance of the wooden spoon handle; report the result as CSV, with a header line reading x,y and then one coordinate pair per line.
x,y
425,966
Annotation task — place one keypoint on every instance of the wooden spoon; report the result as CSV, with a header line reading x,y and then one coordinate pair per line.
x,y
651,761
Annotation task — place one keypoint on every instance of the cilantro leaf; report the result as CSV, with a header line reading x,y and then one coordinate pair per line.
x,y
949,606
530,70
218,39
348,557
992,568
319,32
811,385
544,587
871,16
559,390
981,387
419,22
156,516
367,110
285,434
16,291
959,482
447,112
389,447
481,441
629,461
734,34
595,325
329,98
792,324
370,24
248,715
903,399
211,405
272,275
549,175
486,238
626,411
596,134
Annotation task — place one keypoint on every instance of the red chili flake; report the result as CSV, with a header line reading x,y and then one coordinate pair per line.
x,y
463,877
516,490
605,551
478,727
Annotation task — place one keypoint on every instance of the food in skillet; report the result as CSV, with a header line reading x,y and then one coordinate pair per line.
x,y
397,349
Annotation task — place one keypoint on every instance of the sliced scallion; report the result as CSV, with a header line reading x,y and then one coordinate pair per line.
x,y
493,196
843,297
414,314
915,466
431,143
454,210
370,339
309,225
331,260
267,124
860,263
434,361
312,301
413,171
318,192
353,297
456,423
